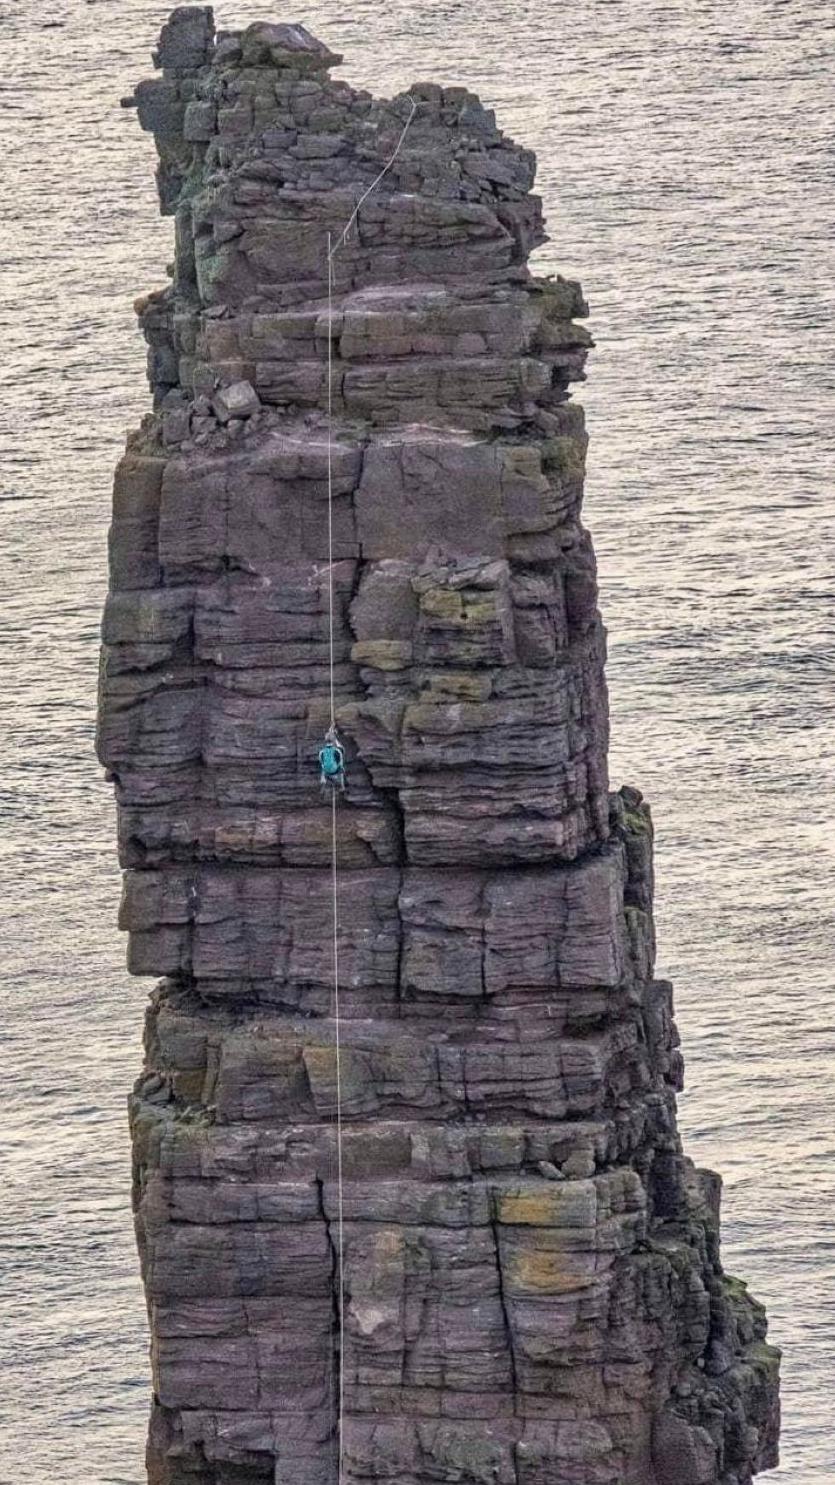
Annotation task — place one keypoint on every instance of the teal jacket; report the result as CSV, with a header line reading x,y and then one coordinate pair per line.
x,y
331,761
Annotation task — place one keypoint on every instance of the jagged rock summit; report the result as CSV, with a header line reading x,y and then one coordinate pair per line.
x,y
533,1289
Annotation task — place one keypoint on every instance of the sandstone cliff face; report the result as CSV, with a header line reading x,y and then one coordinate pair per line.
x,y
533,1286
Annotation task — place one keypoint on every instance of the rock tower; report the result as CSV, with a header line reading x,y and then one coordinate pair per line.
x,y
533,1291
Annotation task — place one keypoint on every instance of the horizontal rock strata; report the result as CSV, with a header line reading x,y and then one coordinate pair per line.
x,y
533,1289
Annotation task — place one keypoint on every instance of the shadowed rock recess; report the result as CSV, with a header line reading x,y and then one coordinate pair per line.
x,y
533,1288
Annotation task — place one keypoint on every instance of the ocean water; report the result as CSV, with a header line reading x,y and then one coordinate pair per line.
x,y
686,159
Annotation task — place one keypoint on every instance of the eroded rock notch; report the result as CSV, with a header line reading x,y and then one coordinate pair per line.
x,y
534,1290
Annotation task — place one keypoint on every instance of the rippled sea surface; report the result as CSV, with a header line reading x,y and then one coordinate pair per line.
x,y
686,159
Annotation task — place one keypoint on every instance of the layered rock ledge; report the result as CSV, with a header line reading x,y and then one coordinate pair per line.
x,y
534,1292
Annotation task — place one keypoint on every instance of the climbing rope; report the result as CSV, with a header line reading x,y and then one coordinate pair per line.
x,y
330,780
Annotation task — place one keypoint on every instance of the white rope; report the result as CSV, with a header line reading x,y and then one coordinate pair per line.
x,y
374,184
330,477
333,249
340,1223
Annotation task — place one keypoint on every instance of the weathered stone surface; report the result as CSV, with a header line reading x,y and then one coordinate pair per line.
x,y
533,1289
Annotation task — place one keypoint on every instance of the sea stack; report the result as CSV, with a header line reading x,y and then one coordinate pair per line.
x,y
533,1292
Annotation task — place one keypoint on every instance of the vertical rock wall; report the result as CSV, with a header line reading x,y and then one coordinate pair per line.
x,y
533,1288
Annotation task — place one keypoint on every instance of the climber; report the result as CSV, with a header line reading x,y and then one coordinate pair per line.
x,y
332,762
